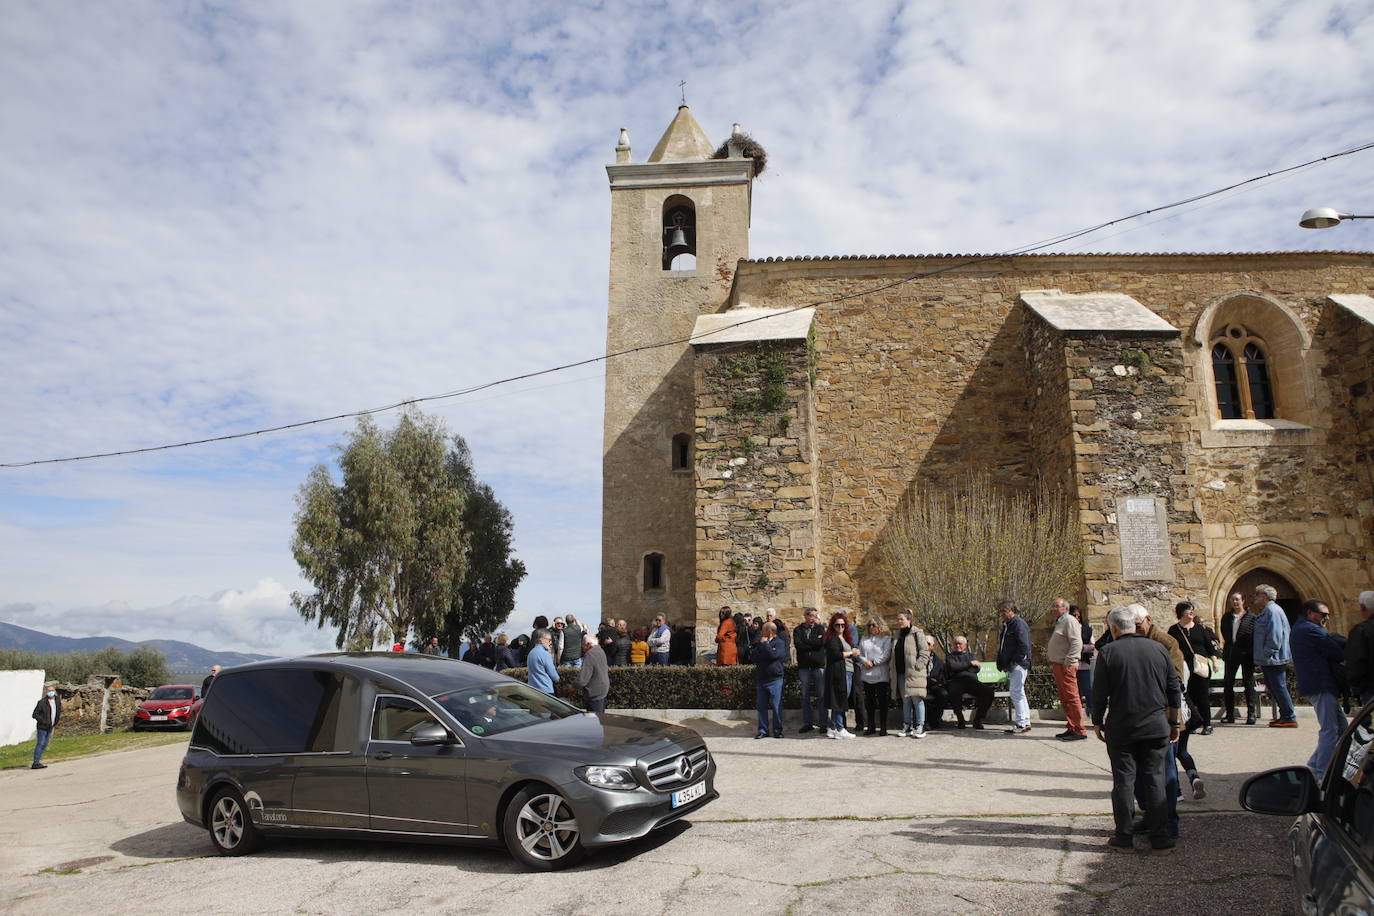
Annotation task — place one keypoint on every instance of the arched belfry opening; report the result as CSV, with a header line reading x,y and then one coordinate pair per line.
x,y
679,233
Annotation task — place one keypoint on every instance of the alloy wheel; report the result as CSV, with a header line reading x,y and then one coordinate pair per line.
x,y
546,827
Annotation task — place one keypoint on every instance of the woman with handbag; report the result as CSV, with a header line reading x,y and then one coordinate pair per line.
x,y
1198,649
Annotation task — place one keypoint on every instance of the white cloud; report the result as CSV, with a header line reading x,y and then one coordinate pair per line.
x,y
231,217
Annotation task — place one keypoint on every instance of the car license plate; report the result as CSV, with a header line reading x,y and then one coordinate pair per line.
x,y
689,794
158,718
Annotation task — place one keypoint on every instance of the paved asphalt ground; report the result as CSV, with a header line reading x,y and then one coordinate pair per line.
x,y
961,822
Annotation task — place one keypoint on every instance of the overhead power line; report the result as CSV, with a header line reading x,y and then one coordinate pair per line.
x,y
463,392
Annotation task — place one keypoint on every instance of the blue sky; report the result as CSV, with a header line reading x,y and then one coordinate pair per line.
x,y
222,217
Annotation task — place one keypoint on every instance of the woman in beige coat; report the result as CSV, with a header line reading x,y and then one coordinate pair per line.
x,y
907,674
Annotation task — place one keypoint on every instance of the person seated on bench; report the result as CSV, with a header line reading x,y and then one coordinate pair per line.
x,y
937,695
961,678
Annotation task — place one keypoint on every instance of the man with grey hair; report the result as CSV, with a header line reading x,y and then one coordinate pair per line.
x,y
1137,701
1359,651
592,673
1272,653
1064,650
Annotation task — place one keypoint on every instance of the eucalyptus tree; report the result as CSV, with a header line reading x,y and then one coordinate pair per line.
x,y
486,596
386,549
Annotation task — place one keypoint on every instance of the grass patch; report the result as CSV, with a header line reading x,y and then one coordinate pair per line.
x,y
68,747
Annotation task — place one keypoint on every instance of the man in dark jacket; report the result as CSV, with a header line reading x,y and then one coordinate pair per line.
x,y
809,638
593,675
46,714
771,616
768,656
682,645
605,638
1238,652
1359,651
961,676
1137,693
1314,654
1014,659
571,655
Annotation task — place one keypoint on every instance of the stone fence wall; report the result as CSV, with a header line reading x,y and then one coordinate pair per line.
x,y
82,705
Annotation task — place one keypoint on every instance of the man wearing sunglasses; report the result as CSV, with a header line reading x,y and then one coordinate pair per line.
x,y
1314,654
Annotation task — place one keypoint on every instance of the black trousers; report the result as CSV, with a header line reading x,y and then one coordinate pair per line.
x,y
1200,699
1144,759
982,698
937,699
1246,666
876,700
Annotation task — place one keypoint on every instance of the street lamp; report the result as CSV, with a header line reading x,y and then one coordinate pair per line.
x,y
1325,218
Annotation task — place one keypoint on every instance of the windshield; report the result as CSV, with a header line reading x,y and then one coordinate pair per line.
x,y
497,708
174,693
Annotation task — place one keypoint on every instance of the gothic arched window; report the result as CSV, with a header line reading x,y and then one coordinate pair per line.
x,y
1240,370
1228,386
1261,388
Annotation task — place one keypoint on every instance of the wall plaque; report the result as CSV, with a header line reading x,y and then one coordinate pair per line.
x,y
1142,525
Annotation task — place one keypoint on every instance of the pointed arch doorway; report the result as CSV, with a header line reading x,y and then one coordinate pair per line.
x,y
1289,597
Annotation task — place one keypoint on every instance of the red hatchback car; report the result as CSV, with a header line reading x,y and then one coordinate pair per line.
x,y
168,707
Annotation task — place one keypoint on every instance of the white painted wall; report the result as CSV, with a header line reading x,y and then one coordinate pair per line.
x,y
19,691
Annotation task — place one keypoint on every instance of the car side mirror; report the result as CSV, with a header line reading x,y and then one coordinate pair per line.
x,y
430,734
1289,791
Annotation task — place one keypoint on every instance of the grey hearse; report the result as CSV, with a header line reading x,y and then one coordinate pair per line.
x,y
415,747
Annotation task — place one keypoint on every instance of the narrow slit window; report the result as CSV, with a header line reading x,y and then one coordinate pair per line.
x,y
653,572
1228,384
682,452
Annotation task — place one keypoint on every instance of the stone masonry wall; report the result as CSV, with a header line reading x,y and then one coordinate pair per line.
x,y
1130,434
1050,417
756,483
933,376
647,504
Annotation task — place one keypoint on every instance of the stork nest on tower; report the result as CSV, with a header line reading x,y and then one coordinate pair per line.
x,y
749,148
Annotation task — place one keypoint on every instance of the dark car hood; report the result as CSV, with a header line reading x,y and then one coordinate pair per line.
x,y
614,736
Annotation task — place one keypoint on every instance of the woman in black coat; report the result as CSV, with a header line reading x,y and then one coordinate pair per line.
x,y
838,652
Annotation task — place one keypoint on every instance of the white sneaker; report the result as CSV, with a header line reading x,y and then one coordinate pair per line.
x,y
906,731
844,733
831,733
918,732
1199,790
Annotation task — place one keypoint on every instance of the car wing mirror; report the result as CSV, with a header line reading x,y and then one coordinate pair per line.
x,y
1288,791
430,734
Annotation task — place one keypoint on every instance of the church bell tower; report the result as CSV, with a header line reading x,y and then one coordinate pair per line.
x,y
679,226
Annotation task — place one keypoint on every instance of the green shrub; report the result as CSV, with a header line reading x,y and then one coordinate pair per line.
x,y
727,687
675,687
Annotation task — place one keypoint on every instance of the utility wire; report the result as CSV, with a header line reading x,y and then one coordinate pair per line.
x,y
462,392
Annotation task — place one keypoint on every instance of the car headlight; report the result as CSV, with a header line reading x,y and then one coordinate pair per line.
x,y
607,777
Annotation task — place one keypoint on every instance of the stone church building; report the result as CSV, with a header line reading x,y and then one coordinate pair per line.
x,y
1210,413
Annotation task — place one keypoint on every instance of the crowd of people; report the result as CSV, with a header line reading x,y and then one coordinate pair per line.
x,y
1144,689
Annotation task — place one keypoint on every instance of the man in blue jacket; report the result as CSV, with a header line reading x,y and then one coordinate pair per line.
x,y
767,656
1272,653
1014,659
1314,652
542,674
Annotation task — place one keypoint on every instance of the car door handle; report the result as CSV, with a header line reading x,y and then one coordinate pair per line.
x,y
382,755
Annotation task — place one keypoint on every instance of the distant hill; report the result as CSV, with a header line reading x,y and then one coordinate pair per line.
x,y
181,656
